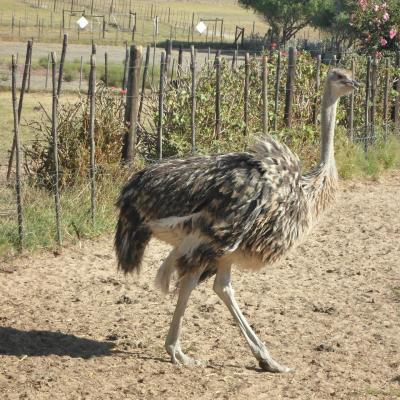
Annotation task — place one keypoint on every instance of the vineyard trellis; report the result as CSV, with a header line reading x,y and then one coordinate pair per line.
x,y
115,21
261,85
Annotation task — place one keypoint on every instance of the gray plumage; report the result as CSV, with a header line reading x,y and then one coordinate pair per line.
x,y
245,209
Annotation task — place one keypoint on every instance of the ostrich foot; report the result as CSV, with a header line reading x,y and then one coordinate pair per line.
x,y
180,358
271,365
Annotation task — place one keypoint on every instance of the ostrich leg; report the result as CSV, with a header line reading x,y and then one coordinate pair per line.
x,y
172,343
223,288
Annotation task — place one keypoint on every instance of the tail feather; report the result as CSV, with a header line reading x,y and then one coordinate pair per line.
x,y
131,238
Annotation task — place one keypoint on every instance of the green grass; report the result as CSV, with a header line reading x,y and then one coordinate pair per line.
x,y
353,162
39,216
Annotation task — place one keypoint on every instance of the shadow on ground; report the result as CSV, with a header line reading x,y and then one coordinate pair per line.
x,y
44,343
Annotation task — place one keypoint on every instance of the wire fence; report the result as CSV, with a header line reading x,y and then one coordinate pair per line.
x,y
278,90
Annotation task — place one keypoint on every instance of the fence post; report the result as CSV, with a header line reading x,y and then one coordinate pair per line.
x,y
277,82
180,62
234,60
351,111
17,156
217,94
55,147
265,93
92,103
28,87
168,51
28,58
132,103
105,68
290,87
366,111
125,67
193,111
161,107
317,86
62,60
386,98
374,77
397,101
146,67
246,92
80,73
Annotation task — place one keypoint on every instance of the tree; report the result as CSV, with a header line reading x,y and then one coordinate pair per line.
x,y
286,17
334,18
373,24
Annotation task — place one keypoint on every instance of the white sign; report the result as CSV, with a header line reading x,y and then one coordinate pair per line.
x,y
82,22
201,27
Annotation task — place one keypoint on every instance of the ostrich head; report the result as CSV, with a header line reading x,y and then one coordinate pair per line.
x,y
340,82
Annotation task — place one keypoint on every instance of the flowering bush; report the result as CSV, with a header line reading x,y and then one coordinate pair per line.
x,y
378,24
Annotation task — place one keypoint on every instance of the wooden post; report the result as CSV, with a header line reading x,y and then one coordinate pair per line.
x,y
168,51
246,92
47,71
180,62
234,60
146,67
62,60
317,87
124,78
132,103
265,93
80,73
290,87
92,170
28,58
193,110
161,107
374,77
277,84
397,100
105,69
366,110
28,87
217,94
386,98
54,133
17,155
192,28
351,111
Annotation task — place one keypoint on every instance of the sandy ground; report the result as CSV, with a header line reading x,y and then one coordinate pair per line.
x,y
71,327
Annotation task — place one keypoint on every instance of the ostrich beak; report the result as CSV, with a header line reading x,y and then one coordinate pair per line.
x,y
353,83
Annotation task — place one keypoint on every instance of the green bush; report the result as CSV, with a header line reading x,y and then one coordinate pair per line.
x,y
73,143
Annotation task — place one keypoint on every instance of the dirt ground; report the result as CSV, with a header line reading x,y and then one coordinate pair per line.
x,y
71,327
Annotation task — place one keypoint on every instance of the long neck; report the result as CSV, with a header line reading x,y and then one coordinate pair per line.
x,y
328,120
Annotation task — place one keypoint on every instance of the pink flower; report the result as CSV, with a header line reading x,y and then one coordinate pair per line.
x,y
378,54
392,33
273,45
382,41
363,4
123,91
385,16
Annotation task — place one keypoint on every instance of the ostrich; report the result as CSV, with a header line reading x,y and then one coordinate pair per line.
x,y
245,209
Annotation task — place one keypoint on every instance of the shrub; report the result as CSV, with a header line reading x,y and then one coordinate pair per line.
x,y
73,145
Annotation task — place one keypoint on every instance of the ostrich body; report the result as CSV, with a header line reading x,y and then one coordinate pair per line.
x,y
245,209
